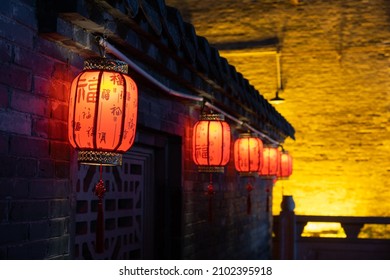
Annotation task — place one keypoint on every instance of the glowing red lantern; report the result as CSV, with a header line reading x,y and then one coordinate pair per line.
x,y
271,161
102,120
102,112
285,165
248,154
211,148
211,143
248,160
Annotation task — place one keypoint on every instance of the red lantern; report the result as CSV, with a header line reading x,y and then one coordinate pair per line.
x,y
271,161
248,154
211,143
211,148
248,160
285,167
102,112
102,120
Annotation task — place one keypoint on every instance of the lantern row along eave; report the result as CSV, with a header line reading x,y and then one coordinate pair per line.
x,y
211,151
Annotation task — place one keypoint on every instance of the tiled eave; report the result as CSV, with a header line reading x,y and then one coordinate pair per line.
x,y
156,38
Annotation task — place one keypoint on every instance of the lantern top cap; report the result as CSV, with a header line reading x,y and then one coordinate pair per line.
x,y
100,63
212,117
273,146
246,135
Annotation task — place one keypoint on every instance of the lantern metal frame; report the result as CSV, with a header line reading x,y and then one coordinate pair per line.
x,y
100,156
212,168
90,157
277,157
248,173
280,175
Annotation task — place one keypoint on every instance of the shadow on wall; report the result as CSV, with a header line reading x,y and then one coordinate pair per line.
x,y
47,13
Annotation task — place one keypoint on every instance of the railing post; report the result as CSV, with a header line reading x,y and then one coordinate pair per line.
x,y
287,229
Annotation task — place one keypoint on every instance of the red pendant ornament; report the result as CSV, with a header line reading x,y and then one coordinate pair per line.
x,y
100,190
211,147
248,160
285,165
271,161
102,120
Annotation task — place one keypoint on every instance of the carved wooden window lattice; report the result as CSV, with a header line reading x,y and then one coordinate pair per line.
x,y
124,208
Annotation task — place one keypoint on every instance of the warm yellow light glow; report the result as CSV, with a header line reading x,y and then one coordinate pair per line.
x,y
316,229
335,230
375,231
336,90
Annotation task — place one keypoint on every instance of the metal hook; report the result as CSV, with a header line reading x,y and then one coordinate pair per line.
x,y
101,46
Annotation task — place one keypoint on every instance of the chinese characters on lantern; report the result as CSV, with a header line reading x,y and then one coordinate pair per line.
x,y
211,143
103,108
248,154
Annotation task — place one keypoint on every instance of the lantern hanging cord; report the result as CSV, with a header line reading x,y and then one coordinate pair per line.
x,y
113,50
103,40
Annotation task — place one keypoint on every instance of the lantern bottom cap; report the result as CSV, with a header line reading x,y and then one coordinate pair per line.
x,y
99,158
248,174
211,169
268,177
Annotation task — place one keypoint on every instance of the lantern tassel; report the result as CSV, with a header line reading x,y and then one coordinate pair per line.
x,y
100,228
210,193
99,192
249,188
210,209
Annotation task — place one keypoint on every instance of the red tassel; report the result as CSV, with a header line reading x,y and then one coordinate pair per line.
x,y
248,200
100,229
210,209
210,193
99,192
249,204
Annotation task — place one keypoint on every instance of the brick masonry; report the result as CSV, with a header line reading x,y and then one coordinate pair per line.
x,y
35,193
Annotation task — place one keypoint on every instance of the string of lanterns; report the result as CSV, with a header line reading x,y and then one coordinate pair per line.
x,y
102,122
211,144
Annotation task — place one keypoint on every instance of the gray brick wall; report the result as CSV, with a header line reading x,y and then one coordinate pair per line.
x,y
34,152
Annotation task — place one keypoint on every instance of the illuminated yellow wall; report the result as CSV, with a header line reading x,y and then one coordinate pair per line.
x,y
336,73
